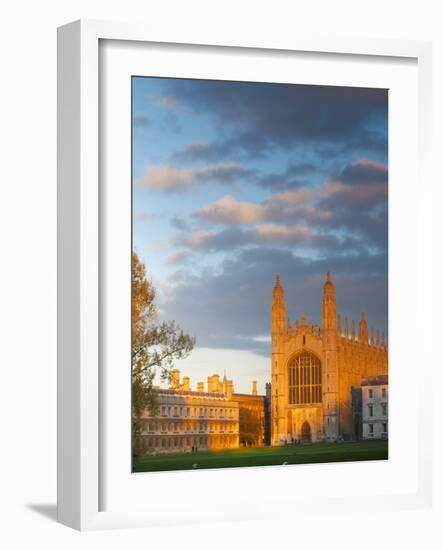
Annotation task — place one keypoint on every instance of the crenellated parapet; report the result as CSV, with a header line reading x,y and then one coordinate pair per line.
x,y
362,355
303,327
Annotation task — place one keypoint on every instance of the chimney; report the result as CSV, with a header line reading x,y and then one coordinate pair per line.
x,y
254,387
175,379
228,388
186,383
214,383
200,386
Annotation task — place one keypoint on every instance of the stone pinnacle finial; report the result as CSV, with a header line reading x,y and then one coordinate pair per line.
x,y
328,276
277,282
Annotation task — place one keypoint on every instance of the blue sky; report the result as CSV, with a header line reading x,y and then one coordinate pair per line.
x,y
234,182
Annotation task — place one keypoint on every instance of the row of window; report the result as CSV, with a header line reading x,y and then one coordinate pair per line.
x,y
384,409
384,429
196,412
183,442
191,427
384,393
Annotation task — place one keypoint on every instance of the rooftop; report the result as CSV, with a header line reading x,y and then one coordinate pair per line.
x,y
190,393
380,380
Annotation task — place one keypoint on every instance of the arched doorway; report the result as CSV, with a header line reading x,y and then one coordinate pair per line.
x,y
306,431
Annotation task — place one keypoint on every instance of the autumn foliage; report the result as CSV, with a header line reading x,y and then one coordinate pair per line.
x,y
155,345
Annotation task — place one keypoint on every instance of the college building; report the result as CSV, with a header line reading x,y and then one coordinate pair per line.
x,y
204,419
315,370
374,402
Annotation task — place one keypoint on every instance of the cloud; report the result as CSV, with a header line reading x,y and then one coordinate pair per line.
x,y
169,178
364,171
295,234
355,199
323,210
264,234
278,207
293,177
262,117
179,257
141,120
228,210
217,309
359,182
169,102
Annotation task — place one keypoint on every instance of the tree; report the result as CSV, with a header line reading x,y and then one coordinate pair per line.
x,y
249,426
155,346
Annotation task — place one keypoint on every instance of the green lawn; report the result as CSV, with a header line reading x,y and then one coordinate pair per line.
x,y
267,456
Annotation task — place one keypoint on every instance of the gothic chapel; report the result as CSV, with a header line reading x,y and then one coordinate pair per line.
x,y
315,370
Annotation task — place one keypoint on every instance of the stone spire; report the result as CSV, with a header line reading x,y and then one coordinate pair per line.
x,y
329,306
363,329
329,342
278,308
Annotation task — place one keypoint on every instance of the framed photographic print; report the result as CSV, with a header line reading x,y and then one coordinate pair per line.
x,y
238,231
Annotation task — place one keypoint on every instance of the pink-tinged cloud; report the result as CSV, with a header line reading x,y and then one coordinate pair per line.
x,y
198,238
169,178
278,207
179,257
229,210
362,184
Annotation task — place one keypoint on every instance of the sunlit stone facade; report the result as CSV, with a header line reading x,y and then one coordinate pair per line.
x,y
256,404
189,421
314,369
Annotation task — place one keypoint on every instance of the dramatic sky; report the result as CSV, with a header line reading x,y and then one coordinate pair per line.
x,y
234,182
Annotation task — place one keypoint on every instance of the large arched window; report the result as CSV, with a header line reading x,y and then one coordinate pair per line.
x,y
304,379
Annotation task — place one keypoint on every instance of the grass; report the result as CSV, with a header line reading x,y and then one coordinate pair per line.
x,y
267,456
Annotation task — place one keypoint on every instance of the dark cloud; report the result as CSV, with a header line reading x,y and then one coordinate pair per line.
x,y
217,307
294,237
292,178
353,203
261,117
364,172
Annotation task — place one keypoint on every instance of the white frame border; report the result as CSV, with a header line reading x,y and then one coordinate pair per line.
x,y
78,254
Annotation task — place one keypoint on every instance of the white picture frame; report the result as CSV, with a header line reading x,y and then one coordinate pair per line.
x,y
80,205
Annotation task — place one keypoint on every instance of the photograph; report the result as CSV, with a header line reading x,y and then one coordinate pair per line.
x,y
259,274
